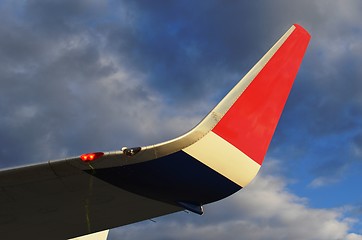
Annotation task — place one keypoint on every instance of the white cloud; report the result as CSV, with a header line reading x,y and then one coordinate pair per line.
x,y
323,181
264,210
353,236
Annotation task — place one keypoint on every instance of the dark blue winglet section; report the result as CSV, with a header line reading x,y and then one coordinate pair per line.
x,y
174,178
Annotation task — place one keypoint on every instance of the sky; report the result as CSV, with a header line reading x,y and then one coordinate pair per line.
x,y
84,75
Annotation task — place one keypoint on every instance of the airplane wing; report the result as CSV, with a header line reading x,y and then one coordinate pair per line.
x,y
93,192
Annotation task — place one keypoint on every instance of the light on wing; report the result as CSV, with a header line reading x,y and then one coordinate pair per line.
x,y
87,157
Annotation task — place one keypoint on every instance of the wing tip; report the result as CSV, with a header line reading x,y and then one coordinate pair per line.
x,y
300,28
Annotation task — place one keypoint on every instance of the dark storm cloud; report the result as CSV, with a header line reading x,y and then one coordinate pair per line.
x,y
58,19
185,56
58,79
64,69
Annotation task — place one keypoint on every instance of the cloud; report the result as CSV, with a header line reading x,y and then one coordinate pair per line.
x,y
357,146
64,91
353,236
265,209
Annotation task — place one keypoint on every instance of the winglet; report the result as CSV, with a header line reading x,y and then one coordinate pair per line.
x,y
251,121
239,129
234,137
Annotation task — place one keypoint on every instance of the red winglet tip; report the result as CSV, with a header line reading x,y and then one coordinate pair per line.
x,y
301,29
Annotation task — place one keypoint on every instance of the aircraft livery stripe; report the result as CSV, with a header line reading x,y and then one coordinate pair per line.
x,y
94,236
251,121
174,178
224,158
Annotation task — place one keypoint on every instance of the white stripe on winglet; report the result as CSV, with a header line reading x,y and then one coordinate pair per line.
x,y
224,158
94,236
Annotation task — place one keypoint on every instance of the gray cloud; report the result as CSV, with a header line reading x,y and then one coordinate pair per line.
x,y
357,146
52,86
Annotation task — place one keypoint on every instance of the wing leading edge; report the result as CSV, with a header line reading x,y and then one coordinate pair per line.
x,y
222,154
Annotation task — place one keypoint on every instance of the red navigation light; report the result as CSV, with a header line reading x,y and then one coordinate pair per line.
x,y
91,156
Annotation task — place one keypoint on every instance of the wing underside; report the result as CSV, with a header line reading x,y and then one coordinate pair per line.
x,y
36,203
